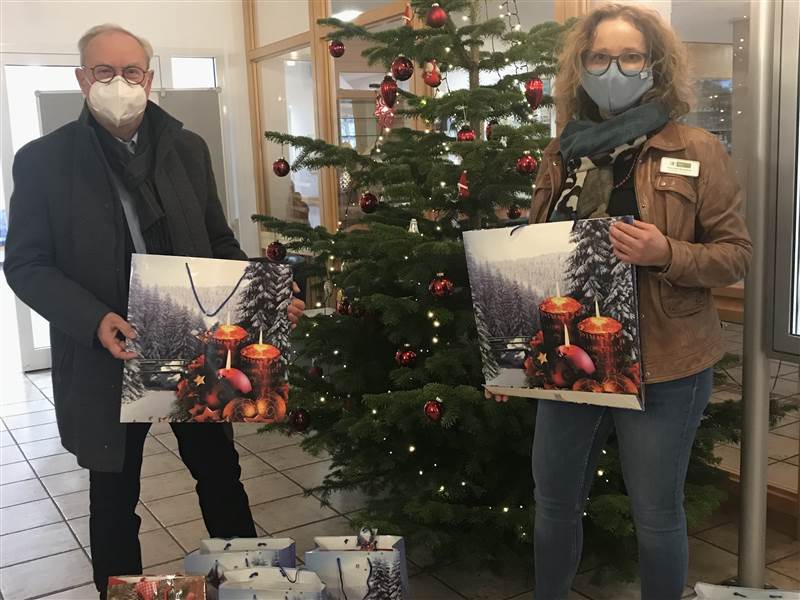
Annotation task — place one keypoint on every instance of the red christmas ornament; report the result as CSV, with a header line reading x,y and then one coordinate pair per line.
x,y
276,252
489,126
526,164
463,186
299,419
402,68
433,410
441,286
389,91
437,16
514,213
408,16
431,75
336,48
405,357
383,113
368,202
534,89
280,167
465,134
315,372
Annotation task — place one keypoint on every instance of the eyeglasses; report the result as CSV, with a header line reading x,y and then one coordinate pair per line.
x,y
629,64
105,73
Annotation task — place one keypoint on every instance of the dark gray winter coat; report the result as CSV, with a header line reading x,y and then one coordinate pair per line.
x,y
66,259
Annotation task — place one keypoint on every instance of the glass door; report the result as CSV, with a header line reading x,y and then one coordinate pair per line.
x,y
23,78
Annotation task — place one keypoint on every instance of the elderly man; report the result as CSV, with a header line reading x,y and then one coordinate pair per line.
x,y
125,177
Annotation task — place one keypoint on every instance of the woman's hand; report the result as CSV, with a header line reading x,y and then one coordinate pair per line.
x,y
296,307
640,244
489,396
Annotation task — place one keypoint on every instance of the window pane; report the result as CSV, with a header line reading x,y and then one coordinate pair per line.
x,y
716,35
347,10
280,19
193,72
287,105
23,82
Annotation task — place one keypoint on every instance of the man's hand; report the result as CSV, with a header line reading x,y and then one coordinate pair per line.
x,y
296,307
112,333
640,244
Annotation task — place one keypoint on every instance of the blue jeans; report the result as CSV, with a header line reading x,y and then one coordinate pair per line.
x,y
654,448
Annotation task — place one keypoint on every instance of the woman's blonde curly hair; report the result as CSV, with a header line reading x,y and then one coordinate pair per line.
x,y
668,57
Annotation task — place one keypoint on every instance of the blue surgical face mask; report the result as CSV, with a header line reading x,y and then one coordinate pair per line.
x,y
614,92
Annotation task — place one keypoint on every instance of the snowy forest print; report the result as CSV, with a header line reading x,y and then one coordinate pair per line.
x,y
213,340
556,313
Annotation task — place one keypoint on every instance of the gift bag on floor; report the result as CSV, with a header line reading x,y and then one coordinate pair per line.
x,y
150,587
216,558
356,571
274,583
706,591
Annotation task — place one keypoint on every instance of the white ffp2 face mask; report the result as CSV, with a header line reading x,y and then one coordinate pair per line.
x,y
117,102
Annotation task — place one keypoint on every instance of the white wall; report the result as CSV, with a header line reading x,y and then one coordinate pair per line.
x,y
173,27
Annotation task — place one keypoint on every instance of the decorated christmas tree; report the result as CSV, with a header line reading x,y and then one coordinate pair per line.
x,y
390,384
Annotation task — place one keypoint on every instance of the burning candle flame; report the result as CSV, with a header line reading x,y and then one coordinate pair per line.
x,y
596,309
566,336
228,362
260,337
228,320
558,290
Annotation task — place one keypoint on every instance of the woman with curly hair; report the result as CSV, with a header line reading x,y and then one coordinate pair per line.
x,y
623,83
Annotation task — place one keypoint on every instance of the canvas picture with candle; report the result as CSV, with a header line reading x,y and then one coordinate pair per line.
x,y
557,313
213,341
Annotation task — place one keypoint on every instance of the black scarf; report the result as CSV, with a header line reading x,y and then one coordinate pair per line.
x,y
136,171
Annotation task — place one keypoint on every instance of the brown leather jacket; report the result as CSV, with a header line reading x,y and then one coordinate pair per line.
x,y
680,329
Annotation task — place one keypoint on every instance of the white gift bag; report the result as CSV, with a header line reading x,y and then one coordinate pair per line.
x,y
284,547
217,558
354,574
274,583
706,591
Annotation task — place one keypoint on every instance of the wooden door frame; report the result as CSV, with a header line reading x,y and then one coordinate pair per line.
x,y
325,86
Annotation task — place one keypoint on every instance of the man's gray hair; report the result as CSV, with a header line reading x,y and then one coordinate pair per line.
x,y
108,28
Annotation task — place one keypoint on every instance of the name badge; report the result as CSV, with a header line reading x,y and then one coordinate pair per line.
x,y
680,166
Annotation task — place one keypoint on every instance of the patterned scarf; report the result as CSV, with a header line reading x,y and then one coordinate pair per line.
x,y
589,150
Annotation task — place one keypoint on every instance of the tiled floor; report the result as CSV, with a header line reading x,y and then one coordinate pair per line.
x,y
44,508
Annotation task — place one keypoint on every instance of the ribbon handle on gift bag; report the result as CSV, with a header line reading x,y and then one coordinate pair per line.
x,y
224,302
341,577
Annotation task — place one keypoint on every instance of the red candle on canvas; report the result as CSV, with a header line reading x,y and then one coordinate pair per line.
x,y
556,313
602,338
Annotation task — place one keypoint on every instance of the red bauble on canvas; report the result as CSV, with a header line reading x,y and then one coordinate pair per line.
x,y
526,164
406,357
514,213
276,252
437,16
368,202
389,91
281,167
336,48
534,90
315,372
441,286
402,68
433,410
466,134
